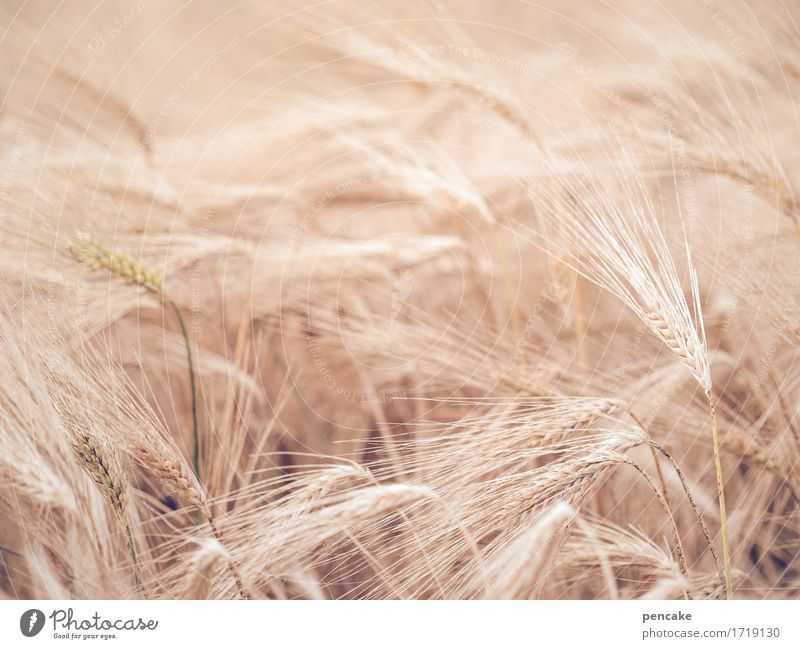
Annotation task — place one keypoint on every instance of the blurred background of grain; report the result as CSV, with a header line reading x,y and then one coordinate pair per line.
x,y
406,375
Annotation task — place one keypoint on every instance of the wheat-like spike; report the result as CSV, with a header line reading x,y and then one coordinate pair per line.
x,y
521,562
29,474
170,472
370,501
112,485
395,404
205,563
622,547
108,480
619,245
97,256
625,252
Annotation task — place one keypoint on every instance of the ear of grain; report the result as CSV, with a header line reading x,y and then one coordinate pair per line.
x,y
205,565
522,564
111,482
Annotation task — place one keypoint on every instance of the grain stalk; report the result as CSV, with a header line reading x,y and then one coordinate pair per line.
x,y
693,505
723,515
629,257
694,355
171,473
133,272
204,563
679,551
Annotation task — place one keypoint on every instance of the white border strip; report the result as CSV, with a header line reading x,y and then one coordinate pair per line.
x,y
390,624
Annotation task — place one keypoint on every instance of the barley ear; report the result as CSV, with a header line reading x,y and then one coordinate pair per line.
x,y
111,484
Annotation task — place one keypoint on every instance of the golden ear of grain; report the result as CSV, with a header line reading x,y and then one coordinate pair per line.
x,y
110,481
30,477
368,502
519,568
205,567
96,255
173,474
667,588
107,478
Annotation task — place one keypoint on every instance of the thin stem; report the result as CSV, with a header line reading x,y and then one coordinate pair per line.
x,y
195,429
577,312
510,294
723,516
134,558
231,566
676,537
693,504
661,479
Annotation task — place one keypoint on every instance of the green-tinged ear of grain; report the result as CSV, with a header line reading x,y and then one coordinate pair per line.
x,y
122,265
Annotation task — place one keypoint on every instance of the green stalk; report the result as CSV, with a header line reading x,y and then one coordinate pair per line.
x,y
134,558
195,428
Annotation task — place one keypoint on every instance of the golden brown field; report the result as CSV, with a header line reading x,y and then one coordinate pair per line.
x,y
400,299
